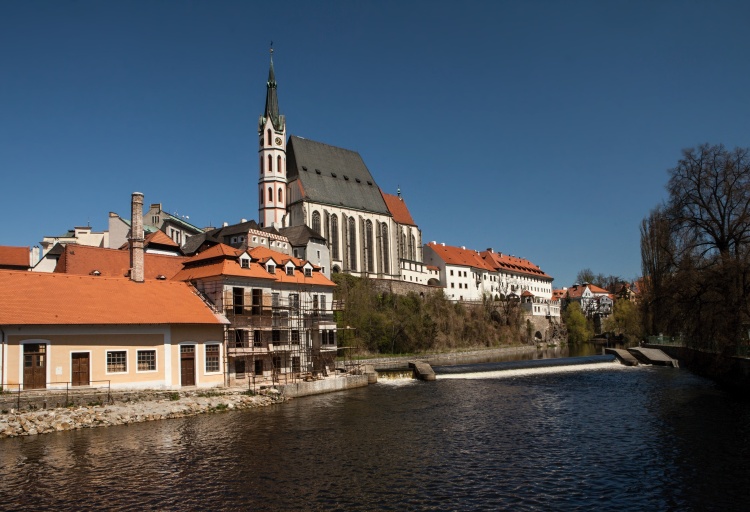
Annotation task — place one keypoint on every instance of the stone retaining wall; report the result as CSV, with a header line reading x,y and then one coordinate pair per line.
x,y
123,413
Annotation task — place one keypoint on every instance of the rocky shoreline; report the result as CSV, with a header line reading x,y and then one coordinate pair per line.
x,y
179,405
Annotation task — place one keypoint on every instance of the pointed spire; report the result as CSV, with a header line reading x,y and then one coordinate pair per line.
x,y
272,101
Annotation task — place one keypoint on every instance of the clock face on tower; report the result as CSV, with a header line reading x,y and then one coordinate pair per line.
x,y
278,141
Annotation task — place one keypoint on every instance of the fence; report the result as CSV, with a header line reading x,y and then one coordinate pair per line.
x,y
57,394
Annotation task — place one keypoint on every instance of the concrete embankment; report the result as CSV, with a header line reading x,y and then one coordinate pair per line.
x,y
448,358
124,413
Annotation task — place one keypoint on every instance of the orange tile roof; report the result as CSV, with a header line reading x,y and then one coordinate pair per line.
x,y
160,238
39,298
83,260
458,256
14,256
577,290
515,264
223,260
398,209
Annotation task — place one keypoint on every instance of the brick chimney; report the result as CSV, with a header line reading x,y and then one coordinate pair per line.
x,y
136,238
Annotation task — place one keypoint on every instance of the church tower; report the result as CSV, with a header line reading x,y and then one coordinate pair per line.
x,y
272,152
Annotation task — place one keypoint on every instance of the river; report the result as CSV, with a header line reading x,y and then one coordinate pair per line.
x,y
597,436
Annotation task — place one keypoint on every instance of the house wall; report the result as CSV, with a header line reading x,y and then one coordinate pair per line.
x,y
62,341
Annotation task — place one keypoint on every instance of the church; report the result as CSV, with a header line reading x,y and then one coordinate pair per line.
x,y
329,189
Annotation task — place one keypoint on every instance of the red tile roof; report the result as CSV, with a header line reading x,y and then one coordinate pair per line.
x,y
83,260
223,260
39,298
578,290
505,262
160,238
14,256
459,256
398,209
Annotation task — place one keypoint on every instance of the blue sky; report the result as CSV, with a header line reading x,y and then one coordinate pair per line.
x,y
540,129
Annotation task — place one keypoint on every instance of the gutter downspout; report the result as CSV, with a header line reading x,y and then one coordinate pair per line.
x,y
2,358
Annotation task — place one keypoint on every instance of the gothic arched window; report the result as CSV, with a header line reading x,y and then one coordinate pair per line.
x,y
316,222
281,196
335,237
268,137
384,235
412,246
270,195
270,163
368,247
278,164
352,244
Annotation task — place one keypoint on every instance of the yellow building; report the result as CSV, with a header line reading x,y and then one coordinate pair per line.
x,y
61,330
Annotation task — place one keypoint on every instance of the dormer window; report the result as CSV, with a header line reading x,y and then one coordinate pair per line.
x,y
308,272
244,263
290,270
271,268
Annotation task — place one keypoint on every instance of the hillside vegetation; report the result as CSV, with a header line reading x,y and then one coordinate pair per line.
x,y
385,323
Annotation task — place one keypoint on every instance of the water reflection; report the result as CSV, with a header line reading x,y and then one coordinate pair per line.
x,y
611,438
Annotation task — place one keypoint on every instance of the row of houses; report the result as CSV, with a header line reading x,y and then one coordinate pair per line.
x,y
156,301
148,316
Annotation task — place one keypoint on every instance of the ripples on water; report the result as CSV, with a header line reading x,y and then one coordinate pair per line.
x,y
605,437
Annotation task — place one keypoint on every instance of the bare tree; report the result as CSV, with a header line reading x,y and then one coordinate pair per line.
x,y
695,249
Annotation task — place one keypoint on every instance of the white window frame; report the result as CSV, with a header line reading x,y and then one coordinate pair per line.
x,y
156,360
106,362
205,358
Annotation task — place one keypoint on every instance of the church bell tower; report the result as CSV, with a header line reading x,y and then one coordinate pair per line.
x,y
272,152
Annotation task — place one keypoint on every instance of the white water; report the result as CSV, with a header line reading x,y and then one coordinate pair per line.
x,y
505,374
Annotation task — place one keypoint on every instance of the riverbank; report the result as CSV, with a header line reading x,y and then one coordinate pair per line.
x,y
452,358
178,405
137,407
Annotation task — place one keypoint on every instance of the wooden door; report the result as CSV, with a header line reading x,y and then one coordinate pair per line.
x,y
187,365
80,368
35,366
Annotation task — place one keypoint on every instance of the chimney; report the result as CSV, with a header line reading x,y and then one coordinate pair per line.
x,y
136,237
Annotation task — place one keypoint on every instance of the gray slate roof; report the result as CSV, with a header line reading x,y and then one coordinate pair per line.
x,y
334,176
299,235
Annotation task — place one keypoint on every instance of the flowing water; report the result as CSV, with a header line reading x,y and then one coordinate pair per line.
x,y
593,436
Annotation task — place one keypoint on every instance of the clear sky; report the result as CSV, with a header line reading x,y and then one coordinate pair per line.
x,y
542,129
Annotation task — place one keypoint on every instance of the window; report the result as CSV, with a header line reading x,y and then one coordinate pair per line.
x,y
278,165
281,196
155,220
275,335
146,360
334,237
212,358
270,195
294,301
315,302
308,272
238,295
268,137
270,163
257,340
117,361
290,270
323,302
271,268
259,367
296,364
245,263
451,272
369,250
384,256
316,222
295,336
352,244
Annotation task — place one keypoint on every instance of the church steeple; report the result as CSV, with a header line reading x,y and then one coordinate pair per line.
x,y
272,100
272,192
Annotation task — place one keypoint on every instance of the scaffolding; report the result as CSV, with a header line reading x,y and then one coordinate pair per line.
x,y
273,340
